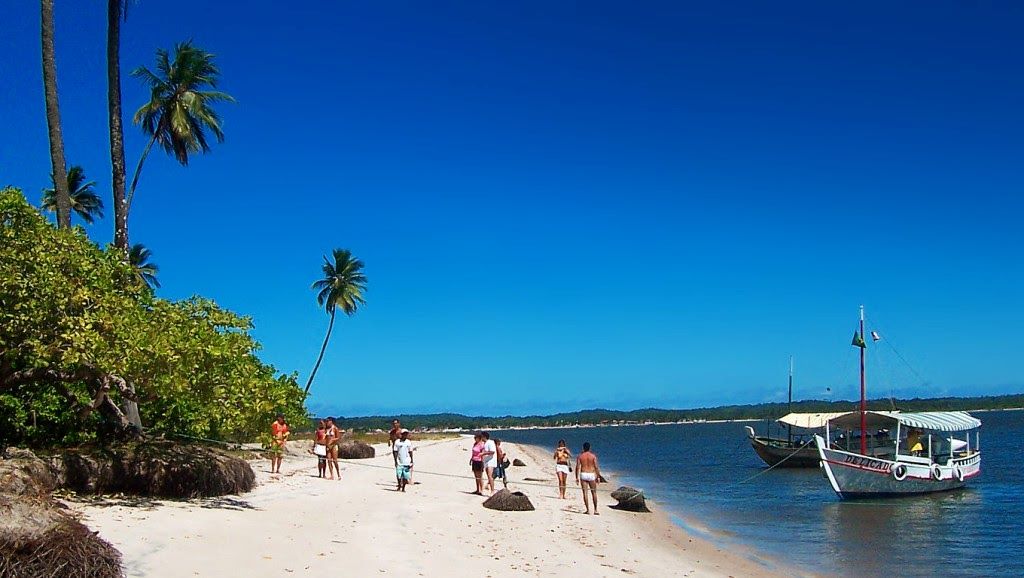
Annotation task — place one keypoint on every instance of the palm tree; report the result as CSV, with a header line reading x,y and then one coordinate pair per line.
x,y
59,168
179,112
117,10
84,200
139,258
342,286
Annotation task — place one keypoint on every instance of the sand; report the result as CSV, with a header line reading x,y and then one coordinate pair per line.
x,y
294,523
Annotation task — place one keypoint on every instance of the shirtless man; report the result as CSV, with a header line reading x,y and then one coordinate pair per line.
x,y
587,474
396,431
279,436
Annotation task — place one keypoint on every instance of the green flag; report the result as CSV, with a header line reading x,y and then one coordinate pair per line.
x,y
858,341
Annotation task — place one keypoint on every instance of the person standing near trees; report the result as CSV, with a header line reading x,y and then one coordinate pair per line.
x,y
279,437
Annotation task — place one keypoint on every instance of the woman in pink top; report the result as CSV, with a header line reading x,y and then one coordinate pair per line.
x,y
476,462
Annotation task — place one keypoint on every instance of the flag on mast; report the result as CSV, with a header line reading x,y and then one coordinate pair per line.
x,y
875,336
858,341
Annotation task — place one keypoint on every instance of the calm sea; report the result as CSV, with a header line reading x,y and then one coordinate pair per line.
x,y
697,472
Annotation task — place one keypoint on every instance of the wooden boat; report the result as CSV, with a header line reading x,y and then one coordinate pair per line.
x,y
908,453
795,450
791,452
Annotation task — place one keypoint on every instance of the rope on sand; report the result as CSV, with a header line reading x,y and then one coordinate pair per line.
x,y
462,477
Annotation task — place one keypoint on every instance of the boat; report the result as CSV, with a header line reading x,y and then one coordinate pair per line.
x,y
791,452
795,450
893,453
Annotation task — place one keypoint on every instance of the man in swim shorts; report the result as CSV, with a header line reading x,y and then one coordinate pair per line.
x,y
587,474
403,468
279,436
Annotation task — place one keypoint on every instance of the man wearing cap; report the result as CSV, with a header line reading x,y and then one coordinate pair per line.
x,y
403,460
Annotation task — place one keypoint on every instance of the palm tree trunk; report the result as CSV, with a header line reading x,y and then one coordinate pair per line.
x,y
60,172
138,171
323,348
114,16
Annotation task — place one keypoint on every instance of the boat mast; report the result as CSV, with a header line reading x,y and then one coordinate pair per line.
x,y
790,426
863,399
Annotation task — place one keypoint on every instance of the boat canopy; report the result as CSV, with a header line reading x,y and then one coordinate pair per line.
x,y
932,420
809,420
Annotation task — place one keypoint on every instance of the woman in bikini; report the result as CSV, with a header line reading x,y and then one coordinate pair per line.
x,y
562,469
476,462
319,448
331,438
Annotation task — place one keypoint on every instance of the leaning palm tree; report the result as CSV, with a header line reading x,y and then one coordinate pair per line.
x,y
342,286
84,201
139,258
179,111
59,169
117,10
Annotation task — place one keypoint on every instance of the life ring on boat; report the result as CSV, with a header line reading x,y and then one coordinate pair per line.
x,y
959,473
936,472
899,472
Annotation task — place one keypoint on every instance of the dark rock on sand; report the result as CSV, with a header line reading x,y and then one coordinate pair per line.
x,y
37,538
518,462
353,450
509,502
630,499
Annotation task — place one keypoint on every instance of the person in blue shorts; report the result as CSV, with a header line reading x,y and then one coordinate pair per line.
x,y
403,460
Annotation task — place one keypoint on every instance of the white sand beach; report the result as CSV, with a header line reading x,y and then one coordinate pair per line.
x,y
297,524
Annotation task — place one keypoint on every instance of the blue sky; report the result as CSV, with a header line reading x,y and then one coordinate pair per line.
x,y
572,205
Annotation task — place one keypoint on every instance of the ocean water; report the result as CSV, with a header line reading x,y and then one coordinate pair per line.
x,y
710,480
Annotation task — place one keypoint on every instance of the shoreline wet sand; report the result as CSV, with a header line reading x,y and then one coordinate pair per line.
x,y
295,523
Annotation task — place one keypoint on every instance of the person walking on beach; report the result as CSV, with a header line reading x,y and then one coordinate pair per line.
x,y
562,469
403,447
279,437
587,474
476,463
490,456
331,438
319,448
501,470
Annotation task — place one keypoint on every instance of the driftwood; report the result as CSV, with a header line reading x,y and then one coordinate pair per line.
x,y
507,501
630,499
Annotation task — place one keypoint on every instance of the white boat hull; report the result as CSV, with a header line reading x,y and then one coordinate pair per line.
x,y
855,476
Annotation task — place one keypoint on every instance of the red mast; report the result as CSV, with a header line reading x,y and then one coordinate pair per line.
x,y
863,399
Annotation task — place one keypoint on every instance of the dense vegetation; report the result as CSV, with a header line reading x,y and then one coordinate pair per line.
x,y
81,334
728,412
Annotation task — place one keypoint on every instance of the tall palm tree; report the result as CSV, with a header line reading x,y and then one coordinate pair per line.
x,y
179,111
84,200
117,10
139,258
58,166
342,286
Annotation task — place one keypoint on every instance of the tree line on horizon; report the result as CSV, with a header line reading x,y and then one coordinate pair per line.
x,y
766,411
88,352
